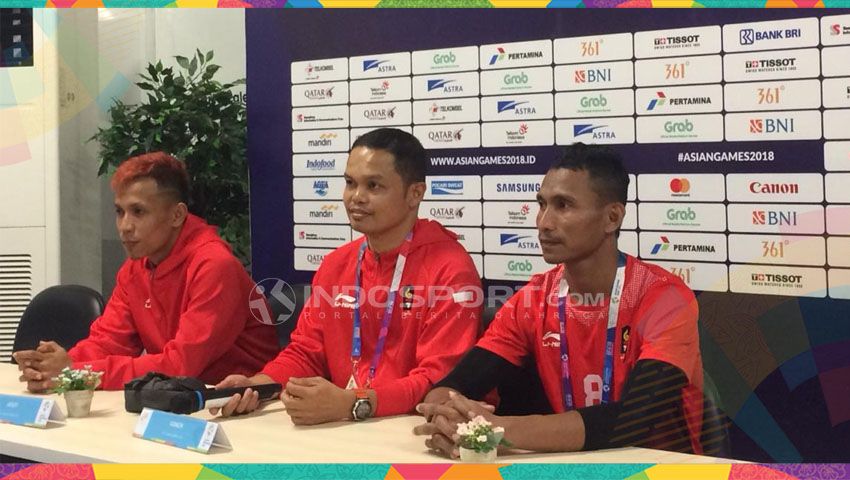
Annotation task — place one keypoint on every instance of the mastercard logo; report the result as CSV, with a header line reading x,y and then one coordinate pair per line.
x,y
680,185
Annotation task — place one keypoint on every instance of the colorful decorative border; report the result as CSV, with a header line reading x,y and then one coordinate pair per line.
x,y
426,3
425,472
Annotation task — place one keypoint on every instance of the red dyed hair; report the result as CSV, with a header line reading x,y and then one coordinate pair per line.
x,y
169,174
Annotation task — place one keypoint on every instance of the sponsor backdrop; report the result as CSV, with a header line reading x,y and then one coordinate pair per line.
x,y
734,126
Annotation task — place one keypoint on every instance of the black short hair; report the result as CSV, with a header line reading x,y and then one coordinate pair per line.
x,y
410,158
608,177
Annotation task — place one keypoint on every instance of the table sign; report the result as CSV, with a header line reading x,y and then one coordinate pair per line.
x,y
29,411
180,431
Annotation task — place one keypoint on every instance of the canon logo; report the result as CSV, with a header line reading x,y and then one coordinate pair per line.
x,y
758,187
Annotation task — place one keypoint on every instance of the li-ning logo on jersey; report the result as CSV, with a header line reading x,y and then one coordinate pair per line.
x,y
344,301
552,339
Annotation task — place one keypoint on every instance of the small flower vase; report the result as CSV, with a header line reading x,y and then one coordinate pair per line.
x,y
78,402
469,455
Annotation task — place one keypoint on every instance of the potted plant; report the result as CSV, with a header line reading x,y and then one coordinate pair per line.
x,y
199,120
77,385
479,439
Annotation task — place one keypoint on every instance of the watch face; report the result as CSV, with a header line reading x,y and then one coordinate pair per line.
x,y
362,409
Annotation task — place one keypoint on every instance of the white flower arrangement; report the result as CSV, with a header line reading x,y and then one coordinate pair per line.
x,y
76,379
479,435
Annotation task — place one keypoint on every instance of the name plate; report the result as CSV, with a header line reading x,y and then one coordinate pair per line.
x,y
29,411
180,431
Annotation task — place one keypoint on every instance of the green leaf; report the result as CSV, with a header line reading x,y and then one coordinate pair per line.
x,y
209,55
193,66
145,86
182,61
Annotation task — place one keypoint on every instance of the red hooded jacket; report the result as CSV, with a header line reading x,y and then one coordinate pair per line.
x,y
430,329
189,315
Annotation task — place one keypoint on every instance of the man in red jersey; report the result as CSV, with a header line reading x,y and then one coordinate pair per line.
x,y
390,313
180,303
614,339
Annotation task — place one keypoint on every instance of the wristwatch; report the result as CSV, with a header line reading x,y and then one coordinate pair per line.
x,y
362,408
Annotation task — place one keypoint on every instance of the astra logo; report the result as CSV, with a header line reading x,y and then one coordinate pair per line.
x,y
439,83
758,187
772,217
593,131
657,101
517,107
660,247
771,125
521,241
748,36
378,65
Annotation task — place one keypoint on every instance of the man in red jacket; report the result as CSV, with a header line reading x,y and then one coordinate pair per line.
x,y
180,303
390,313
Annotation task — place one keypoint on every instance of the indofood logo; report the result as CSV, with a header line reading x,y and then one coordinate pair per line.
x,y
771,65
522,242
501,55
447,187
681,217
321,187
516,107
595,132
321,165
446,86
379,113
749,36
445,136
382,66
772,125
446,213
519,217
324,140
661,99
776,280
319,93
681,129
444,60
679,41
518,135
665,244
593,104
327,211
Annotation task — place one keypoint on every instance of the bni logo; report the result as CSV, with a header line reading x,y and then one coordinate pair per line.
x,y
661,246
657,102
498,56
447,187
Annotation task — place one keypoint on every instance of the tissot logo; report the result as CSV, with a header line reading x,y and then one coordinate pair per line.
x,y
749,36
677,40
776,279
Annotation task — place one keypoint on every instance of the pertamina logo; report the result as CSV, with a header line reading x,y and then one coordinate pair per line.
x,y
662,99
665,244
501,55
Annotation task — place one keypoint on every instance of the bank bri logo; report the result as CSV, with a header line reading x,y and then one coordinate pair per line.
x,y
370,64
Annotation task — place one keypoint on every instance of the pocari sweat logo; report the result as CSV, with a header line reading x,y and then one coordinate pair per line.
x,y
447,187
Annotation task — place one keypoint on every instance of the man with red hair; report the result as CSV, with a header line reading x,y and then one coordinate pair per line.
x,y
180,303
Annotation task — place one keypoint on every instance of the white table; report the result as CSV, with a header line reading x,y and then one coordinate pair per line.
x,y
265,436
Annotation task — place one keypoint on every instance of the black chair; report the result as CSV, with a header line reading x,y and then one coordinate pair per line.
x,y
285,328
62,313
715,437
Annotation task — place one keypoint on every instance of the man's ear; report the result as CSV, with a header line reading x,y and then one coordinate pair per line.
x,y
415,194
179,214
616,214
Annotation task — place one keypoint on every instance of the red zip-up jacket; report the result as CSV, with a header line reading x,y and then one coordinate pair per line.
x,y
189,315
429,331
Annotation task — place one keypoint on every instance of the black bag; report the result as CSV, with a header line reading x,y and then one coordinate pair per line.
x,y
161,392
